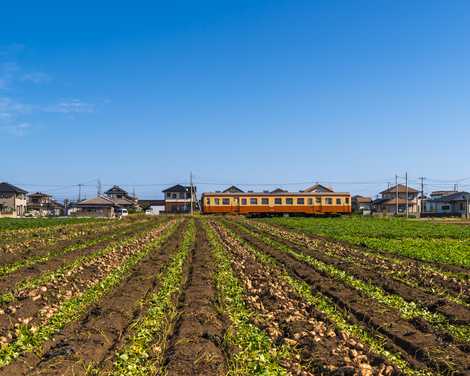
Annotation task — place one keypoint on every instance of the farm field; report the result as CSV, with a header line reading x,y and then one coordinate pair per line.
x,y
225,296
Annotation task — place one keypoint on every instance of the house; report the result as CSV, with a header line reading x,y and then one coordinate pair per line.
x,y
318,188
152,207
44,205
233,189
394,200
361,204
448,203
12,201
178,199
122,198
100,206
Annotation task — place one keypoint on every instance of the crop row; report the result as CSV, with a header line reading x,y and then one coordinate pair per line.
x,y
292,315
144,350
407,310
416,280
58,251
19,224
443,243
61,296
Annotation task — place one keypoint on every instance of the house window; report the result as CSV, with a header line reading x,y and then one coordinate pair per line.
x,y
225,201
278,201
253,201
338,201
329,201
265,201
318,200
289,201
301,201
445,207
173,195
310,201
243,201
217,201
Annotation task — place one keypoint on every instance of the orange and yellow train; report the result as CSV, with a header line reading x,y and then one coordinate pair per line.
x,y
304,203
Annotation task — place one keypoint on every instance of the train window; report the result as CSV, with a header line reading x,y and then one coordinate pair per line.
x,y
225,201
318,200
301,201
265,201
243,201
338,201
208,201
253,201
217,201
310,201
278,201
289,201
347,200
329,201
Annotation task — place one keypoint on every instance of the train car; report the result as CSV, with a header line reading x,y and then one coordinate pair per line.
x,y
253,203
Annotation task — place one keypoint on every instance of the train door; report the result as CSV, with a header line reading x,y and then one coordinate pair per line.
x,y
237,205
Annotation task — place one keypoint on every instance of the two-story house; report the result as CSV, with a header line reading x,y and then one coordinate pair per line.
x,y
121,198
178,199
12,200
448,203
44,205
394,200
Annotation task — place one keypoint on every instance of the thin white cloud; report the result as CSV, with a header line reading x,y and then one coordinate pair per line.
x,y
72,106
36,77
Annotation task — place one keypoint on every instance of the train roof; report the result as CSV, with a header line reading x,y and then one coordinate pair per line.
x,y
270,194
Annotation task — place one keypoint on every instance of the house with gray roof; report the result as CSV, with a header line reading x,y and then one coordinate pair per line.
x,y
448,204
12,200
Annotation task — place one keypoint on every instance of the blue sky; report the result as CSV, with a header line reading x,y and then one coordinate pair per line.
x,y
255,92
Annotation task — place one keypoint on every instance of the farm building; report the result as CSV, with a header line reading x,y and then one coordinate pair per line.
x,y
12,201
178,199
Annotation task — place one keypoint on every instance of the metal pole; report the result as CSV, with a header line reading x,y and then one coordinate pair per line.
x,y
191,187
406,190
396,194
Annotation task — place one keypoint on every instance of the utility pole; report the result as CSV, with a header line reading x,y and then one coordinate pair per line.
x,y
80,192
422,195
192,192
396,193
406,190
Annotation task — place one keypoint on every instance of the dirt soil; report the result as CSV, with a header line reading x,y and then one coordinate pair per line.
x,y
94,339
359,267
196,345
415,339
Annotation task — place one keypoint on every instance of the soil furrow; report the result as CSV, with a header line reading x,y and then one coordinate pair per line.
x,y
415,273
456,313
415,338
288,319
9,281
196,345
94,339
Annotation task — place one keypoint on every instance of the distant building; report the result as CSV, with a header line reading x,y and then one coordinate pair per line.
x,y
279,190
361,204
152,207
447,203
44,205
122,198
100,206
394,200
12,201
178,199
